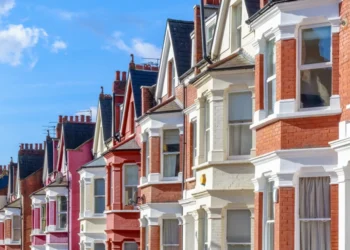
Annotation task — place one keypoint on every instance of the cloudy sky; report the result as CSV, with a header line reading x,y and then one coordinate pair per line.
x,y
55,55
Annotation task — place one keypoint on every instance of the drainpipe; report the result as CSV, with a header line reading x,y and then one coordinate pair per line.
x,y
204,38
113,117
184,140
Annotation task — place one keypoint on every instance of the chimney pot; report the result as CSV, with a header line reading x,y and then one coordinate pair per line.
x,y
88,118
65,118
76,118
22,146
124,76
82,118
117,75
40,146
60,119
71,118
31,146
26,146
36,146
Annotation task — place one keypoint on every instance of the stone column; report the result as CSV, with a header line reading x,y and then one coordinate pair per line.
x,y
215,232
154,234
188,232
198,229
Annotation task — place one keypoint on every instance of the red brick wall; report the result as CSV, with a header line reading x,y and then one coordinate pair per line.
x,y
198,54
147,100
179,92
13,247
154,237
259,82
212,2
286,69
297,133
154,152
334,216
284,219
263,3
162,193
335,64
191,95
2,228
258,220
8,226
142,238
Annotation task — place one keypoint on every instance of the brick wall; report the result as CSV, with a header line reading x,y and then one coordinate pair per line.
x,y
147,99
259,82
154,152
284,219
335,64
334,216
258,220
263,3
285,69
297,133
2,227
142,238
161,193
179,92
154,238
198,54
8,226
191,95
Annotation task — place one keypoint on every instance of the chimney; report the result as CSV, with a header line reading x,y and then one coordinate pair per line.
x,y
0,169
212,2
26,146
132,63
197,53
71,118
65,118
263,3
88,119
22,146
31,146
76,118
40,146
124,76
36,146
60,119
82,118
117,75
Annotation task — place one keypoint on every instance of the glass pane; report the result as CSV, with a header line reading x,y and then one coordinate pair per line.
x,y
240,139
238,15
315,87
129,195
316,45
271,58
240,107
99,205
271,96
238,247
270,231
170,231
170,248
270,203
147,155
315,235
99,246
171,165
207,115
194,142
99,187
205,227
16,222
43,217
62,203
171,141
63,220
132,175
238,226
16,234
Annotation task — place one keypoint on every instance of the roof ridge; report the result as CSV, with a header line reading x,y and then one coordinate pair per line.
x,y
179,21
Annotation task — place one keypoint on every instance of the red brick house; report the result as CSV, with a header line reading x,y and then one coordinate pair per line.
x,y
124,159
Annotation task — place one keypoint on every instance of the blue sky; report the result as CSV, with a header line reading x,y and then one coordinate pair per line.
x,y
55,55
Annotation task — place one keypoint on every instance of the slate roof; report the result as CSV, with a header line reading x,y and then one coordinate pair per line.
x,y
141,78
98,162
180,32
252,6
237,60
106,116
4,180
75,134
129,145
29,161
167,107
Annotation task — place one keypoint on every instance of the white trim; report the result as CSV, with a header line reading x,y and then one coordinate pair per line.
x,y
121,211
348,106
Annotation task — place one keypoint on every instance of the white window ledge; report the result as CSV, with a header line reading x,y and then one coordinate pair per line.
x,y
190,179
121,211
158,183
94,217
216,163
299,114
157,178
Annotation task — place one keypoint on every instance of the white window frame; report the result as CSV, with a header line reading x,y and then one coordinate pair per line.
x,y
209,40
82,197
59,212
124,180
301,67
169,153
161,233
235,42
98,196
13,228
237,243
236,124
147,154
195,145
43,217
269,79
206,129
265,213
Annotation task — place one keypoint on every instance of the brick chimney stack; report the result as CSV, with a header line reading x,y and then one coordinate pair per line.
x,y
263,3
82,118
198,53
212,2
59,126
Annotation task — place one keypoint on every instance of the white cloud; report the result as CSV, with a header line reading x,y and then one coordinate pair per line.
x,y
15,40
6,6
34,60
58,45
67,15
137,47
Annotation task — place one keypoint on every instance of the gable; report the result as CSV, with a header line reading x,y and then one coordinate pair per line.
x,y
128,116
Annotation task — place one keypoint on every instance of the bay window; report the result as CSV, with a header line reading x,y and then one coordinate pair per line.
x,y
130,246
131,180
99,195
237,26
270,86
170,234
270,217
62,212
207,129
240,119
16,228
43,217
238,230
315,67
171,153
314,213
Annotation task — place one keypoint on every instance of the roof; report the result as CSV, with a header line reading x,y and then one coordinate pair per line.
x,y
4,180
75,134
14,204
98,162
106,116
170,106
129,145
49,152
141,78
180,32
252,6
30,161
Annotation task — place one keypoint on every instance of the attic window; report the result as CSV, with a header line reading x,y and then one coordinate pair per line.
x,y
210,35
236,36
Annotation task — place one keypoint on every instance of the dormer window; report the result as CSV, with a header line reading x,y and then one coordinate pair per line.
x,y
210,35
236,36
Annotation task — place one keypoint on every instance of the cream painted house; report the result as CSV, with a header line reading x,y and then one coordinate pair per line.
x,y
218,198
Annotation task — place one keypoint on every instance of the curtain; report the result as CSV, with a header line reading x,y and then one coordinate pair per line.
x,y
171,165
238,226
240,139
131,175
314,203
240,107
170,234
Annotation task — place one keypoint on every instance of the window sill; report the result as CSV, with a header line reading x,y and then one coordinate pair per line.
x,y
298,114
121,211
190,179
217,163
95,216
156,179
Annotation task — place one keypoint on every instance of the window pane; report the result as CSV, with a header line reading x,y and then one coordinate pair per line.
x,y
130,246
99,246
239,247
271,58
205,227
316,45
238,14
238,226
170,232
129,195
147,155
62,220
99,187
316,87
240,139
99,204
62,203
271,96
194,142
171,165
240,107
43,217
131,175
270,235
270,203
171,141
16,222
16,234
